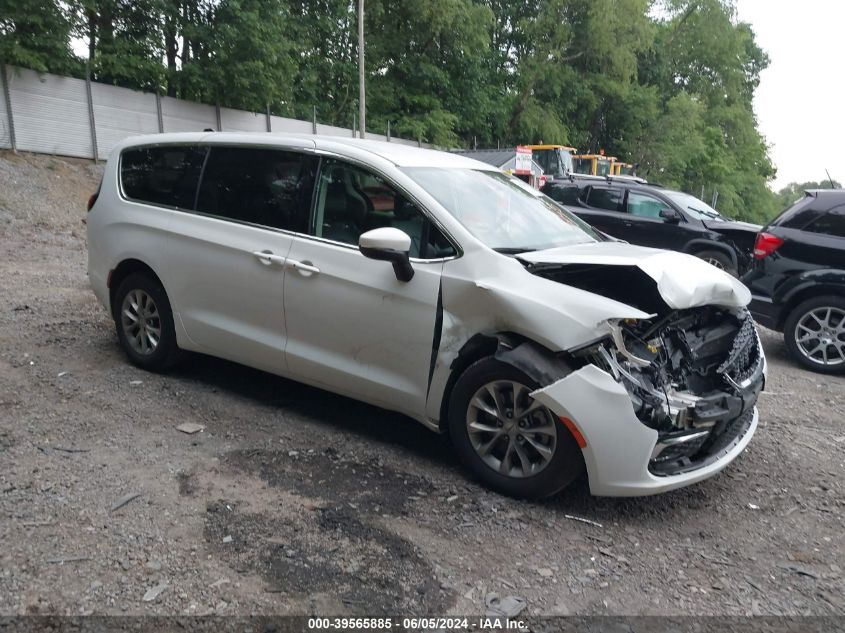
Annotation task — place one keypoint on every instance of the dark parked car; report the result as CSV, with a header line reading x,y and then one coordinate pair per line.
x,y
798,279
649,215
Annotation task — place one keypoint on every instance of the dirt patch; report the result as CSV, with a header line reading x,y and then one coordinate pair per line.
x,y
368,485
328,557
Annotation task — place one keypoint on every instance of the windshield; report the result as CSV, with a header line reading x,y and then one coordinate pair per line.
x,y
555,162
695,207
502,212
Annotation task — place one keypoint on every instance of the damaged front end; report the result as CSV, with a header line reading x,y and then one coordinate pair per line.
x,y
693,375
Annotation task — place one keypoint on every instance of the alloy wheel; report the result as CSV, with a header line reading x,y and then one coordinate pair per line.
x,y
820,335
512,433
715,262
141,323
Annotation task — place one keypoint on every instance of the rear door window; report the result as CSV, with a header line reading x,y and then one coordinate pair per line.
x,y
605,198
165,175
563,194
262,186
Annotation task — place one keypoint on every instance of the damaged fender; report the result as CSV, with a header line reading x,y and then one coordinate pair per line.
x,y
508,299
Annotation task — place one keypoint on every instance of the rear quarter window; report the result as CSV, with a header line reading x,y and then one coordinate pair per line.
x,y
165,175
564,195
831,223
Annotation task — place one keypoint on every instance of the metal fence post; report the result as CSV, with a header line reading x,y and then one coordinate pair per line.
x,y
8,97
314,120
91,122
159,115
219,118
388,131
269,124
354,123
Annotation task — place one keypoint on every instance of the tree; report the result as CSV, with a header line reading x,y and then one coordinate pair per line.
x,y
36,34
794,191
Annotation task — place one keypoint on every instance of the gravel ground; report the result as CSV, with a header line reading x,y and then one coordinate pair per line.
x,y
294,500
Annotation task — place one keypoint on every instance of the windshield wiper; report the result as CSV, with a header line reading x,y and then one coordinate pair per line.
x,y
510,250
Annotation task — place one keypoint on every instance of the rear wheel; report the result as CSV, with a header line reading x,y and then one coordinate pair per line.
x,y
510,441
814,334
720,260
144,323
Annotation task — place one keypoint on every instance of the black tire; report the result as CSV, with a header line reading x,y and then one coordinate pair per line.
x,y
719,260
565,465
166,352
796,315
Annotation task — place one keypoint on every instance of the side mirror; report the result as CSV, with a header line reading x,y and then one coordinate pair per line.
x,y
670,215
390,245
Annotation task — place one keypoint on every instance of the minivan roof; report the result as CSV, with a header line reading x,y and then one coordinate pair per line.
x,y
397,153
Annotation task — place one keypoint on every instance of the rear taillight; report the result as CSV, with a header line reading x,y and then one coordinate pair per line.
x,y
766,244
91,200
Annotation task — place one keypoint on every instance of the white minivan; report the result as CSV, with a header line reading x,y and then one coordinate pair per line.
x,y
437,286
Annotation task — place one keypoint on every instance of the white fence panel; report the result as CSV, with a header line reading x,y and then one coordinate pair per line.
x,y
290,126
330,130
242,121
51,114
120,112
5,129
187,116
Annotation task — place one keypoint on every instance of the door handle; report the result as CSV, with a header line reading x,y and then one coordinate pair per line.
x,y
267,257
304,267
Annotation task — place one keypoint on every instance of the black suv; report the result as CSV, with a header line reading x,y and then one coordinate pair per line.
x,y
798,279
649,215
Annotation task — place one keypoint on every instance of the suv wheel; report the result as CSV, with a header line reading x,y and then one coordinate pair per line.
x,y
814,334
144,323
719,260
512,443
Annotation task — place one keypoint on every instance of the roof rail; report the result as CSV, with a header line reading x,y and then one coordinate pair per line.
x,y
572,176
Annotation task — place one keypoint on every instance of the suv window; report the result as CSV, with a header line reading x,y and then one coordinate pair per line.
x,y
352,201
831,223
565,194
269,187
644,206
164,174
608,199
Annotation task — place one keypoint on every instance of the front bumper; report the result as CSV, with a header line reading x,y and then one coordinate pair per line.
x,y
619,447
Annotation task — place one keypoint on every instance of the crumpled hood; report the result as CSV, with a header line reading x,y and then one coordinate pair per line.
x,y
733,225
683,281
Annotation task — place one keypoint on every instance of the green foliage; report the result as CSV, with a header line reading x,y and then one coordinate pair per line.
x,y
794,191
665,84
36,34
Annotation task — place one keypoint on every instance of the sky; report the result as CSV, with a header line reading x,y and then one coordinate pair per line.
x,y
801,97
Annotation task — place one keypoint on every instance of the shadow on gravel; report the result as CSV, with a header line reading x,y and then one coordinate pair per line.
x,y
321,407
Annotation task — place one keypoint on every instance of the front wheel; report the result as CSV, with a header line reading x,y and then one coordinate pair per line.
x,y
510,441
814,334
